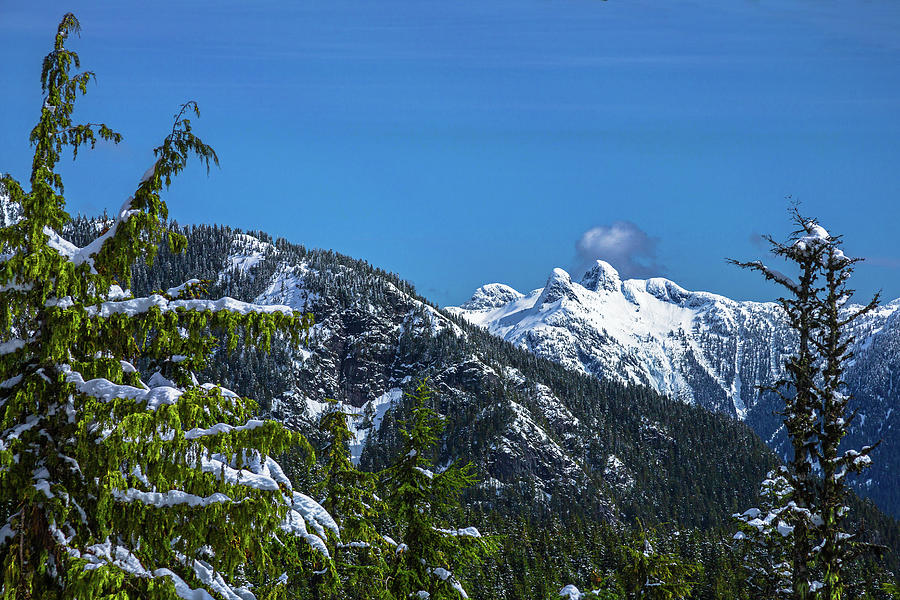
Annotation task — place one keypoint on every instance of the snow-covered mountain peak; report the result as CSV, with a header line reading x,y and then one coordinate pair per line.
x,y
492,295
665,290
668,291
601,277
699,347
559,286
654,332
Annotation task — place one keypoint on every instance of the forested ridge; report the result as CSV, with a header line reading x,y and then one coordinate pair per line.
x,y
689,469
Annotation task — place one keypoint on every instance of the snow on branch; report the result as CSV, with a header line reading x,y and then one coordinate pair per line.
x,y
13,345
314,514
117,555
179,290
169,498
85,255
137,306
220,466
106,390
153,397
463,532
220,428
305,510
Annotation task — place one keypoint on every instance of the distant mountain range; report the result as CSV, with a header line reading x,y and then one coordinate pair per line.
x,y
700,348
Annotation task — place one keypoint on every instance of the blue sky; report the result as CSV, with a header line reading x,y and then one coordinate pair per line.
x,y
465,142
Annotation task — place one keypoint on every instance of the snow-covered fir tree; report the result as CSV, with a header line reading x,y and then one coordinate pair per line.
x,y
764,539
120,474
815,415
834,544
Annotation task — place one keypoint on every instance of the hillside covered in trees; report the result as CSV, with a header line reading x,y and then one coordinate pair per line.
x,y
555,450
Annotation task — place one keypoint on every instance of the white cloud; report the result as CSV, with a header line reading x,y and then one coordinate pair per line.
x,y
624,245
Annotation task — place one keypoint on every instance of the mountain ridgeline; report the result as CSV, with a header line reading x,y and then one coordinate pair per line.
x,y
702,348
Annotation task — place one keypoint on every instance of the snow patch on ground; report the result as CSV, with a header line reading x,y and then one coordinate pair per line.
x,y
361,430
246,252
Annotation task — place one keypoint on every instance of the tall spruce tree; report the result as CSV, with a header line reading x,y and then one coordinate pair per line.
x,y
815,397
348,494
431,557
114,484
797,390
835,546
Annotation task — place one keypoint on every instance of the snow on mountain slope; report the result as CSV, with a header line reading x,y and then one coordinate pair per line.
x,y
652,332
247,252
699,347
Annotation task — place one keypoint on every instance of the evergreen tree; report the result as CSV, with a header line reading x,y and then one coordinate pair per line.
x,y
815,415
835,545
113,484
649,573
430,558
765,540
797,392
348,494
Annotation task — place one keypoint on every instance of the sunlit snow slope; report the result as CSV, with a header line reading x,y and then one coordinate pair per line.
x,y
695,346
